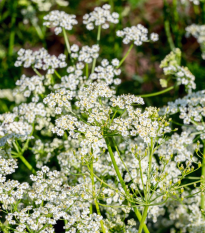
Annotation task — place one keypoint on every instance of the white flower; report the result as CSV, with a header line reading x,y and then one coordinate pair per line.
x,y
59,20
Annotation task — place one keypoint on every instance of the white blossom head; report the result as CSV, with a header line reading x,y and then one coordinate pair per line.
x,y
137,34
100,16
40,59
59,20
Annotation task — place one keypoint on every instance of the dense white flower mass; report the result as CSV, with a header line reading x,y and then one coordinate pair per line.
x,y
136,34
9,125
86,54
59,20
40,59
108,154
100,16
27,85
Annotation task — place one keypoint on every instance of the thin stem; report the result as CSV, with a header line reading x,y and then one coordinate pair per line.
x,y
98,212
98,41
67,45
122,181
93,186
36,71
150,167
116,148
86,70
168,34
143,219
158,93
57,74
95,199
38,30
176,23
203,177
141,175
167,26
66,41
28,165
203,12
12,30
127,53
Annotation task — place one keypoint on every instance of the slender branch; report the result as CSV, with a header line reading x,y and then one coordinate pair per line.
x,y
57,74
12,30
67,45
203,177
122,181
143,219
37,72
66,41
98,41
127,53
167,26
95,199
158,93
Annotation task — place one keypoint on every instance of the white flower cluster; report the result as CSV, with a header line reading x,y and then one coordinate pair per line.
x,y
100,16
29,112
10,126
107,72
191,109
53,201
27,85
7,166
197,31
59,20
183,75
86,54
186,215
179,145
40,60
138,34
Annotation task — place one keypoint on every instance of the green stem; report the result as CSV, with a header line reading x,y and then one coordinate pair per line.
x,y
57,74
98,212
93,185
203,12
158,93
12,31
3,227
203,177
28,165
95,199
108,142
38,30
127,53
167,26
67,45
143,219
176,23
86,70
149,168
98,41
1,8
66,41
37,72
168,34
